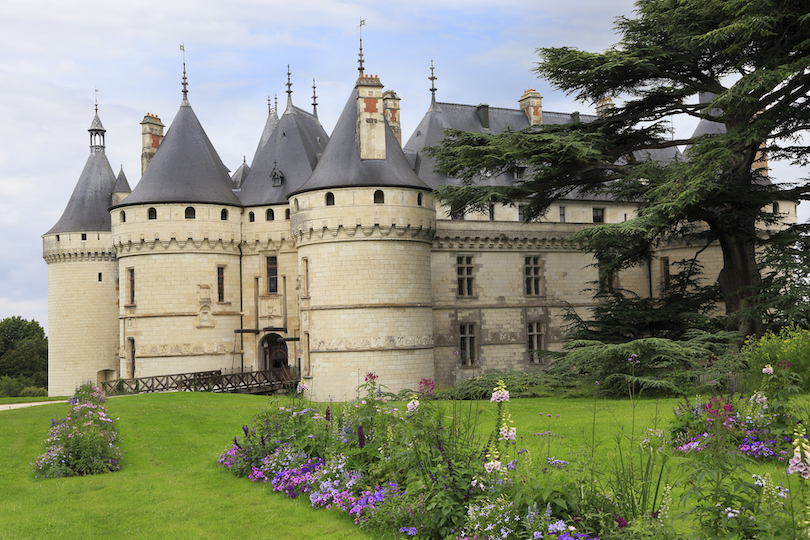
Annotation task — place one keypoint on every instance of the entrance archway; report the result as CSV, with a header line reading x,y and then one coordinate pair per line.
x,y
273,352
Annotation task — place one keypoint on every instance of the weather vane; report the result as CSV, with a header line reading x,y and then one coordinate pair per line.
x,y
360,58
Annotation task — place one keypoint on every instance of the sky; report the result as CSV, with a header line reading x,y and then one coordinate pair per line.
x,y
57,57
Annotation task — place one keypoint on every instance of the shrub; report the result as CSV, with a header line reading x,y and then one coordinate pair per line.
x,y
84,442
789,349
33,391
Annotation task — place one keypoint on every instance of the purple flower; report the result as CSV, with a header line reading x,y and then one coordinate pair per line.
x,y
361,438
621,521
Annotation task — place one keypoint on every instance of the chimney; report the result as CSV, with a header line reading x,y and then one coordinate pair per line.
x,y
604,107
152,135
391,108
531,102
370,118
483,115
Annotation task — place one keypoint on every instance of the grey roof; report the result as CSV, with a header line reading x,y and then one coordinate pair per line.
x,y
269,126
240,174
185,168
87,208
341,165
293,150
121,184
441,116
95,125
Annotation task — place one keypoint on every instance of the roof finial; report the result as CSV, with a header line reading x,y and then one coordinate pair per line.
x,y
96,100
314,100
289,85
185,81
361,69
432,80
269,105
276,102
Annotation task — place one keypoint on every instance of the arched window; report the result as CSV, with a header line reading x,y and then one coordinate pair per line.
x,y
295,205
330,199
251,217
287,214
123,217
223,215
419,199
191,213
152,213
379,197
269,215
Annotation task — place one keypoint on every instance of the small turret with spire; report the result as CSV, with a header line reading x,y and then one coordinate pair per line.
x,y
96,132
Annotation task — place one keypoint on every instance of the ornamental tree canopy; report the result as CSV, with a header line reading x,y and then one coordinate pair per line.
x,y
740,64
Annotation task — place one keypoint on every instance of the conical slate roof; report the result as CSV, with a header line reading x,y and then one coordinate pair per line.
x,y
87,208
185,168
292,151
121,184
269,126
240,174
341,166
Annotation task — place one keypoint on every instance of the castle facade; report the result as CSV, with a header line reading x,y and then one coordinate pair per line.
x,y
327,253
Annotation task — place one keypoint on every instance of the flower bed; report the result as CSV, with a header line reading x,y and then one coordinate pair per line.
x,y
84,442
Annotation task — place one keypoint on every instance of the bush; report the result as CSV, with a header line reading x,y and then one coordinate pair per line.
x,y
84,442
33,391
789,349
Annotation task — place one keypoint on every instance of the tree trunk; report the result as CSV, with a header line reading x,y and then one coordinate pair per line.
x,y
739,282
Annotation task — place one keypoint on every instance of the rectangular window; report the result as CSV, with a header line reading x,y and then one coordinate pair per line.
x,y
534,332
531,276
598,215
220,283
305,278
664,273
272,275
466,346
99,276
492,212
465,272
562,214
131,272
521,213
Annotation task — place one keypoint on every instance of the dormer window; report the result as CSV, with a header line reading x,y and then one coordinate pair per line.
x,y
276,178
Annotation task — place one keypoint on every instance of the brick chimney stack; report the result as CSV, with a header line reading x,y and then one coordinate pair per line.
x,y
370,117
152,136
391,108
531,102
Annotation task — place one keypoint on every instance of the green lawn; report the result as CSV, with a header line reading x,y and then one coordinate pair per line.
x,y
171,486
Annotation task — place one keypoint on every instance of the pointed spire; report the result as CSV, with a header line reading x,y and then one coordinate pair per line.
x,y
269,105
361,69
314,100
289,88
432,80
96,132
185,81
276,100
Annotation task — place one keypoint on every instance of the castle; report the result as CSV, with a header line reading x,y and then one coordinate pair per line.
x,y
327,253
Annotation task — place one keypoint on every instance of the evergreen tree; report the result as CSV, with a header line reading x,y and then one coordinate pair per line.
x,y
740,64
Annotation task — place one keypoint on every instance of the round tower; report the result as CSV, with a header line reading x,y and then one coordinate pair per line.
x,y
176,237
83,279
364,224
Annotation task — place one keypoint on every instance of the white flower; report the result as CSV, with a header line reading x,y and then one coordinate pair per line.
x,y
301,387
493,465
767,370
413,406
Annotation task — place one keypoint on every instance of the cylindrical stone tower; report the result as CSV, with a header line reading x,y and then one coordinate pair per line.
x,y
364,224
83,280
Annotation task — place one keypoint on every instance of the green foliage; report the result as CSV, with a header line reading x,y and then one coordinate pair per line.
x,y
789,349
23,355
651,364
535,383
742,65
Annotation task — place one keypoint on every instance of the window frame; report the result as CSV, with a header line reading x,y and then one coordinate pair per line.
x,y
271,268
534,340
467,343
532,275
220,284
465,276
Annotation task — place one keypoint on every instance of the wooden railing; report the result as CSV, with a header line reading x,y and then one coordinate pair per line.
x,y
251,382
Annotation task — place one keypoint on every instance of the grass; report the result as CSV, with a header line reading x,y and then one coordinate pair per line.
x,y
171,486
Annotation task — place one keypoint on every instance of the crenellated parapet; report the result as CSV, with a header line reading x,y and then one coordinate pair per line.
x,y
455,235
